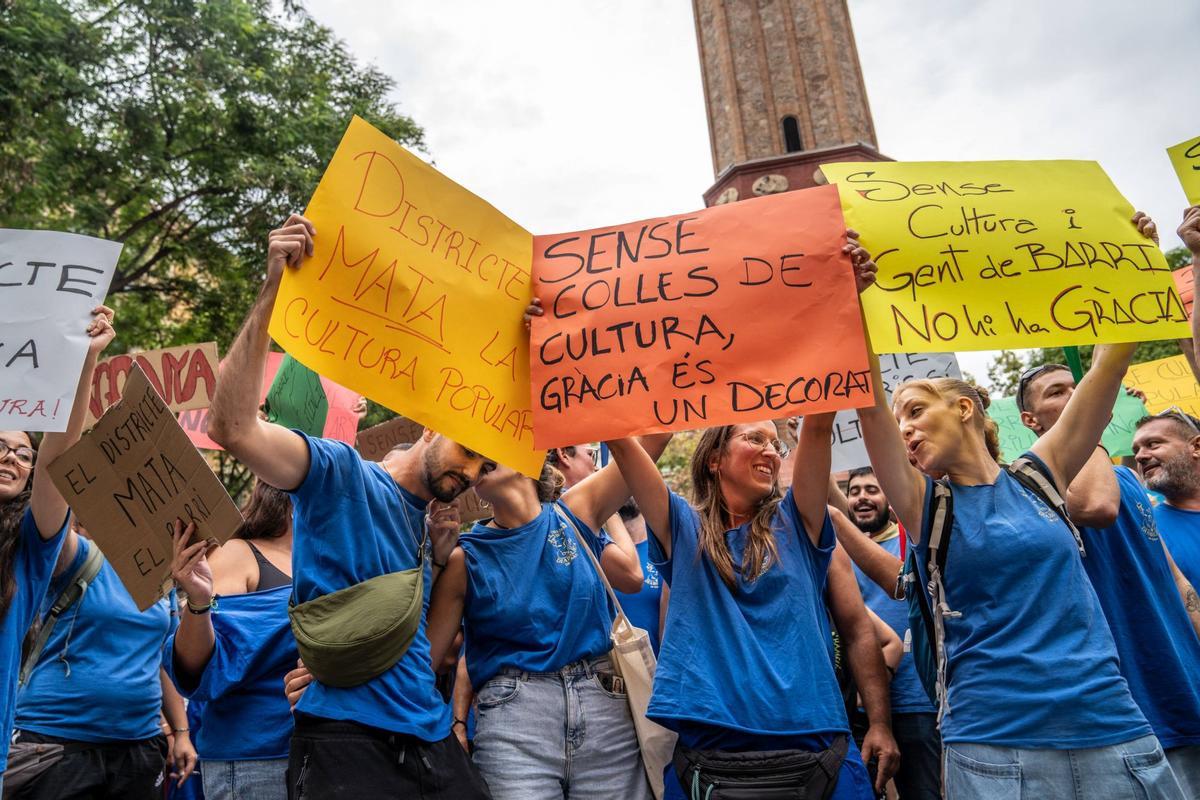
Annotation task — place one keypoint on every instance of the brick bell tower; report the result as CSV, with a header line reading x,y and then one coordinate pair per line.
x,y
784,93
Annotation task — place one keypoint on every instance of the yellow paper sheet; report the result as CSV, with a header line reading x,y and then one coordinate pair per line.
x,y
1167,382
1185,158
414,297
1004,254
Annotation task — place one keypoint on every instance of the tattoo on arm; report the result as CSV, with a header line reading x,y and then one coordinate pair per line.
x,y
1191,600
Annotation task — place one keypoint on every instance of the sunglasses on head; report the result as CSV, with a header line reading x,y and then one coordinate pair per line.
x,y
1028,376
1178,414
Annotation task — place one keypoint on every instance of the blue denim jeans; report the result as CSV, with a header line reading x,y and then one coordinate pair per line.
x,y
558,736
1185,761
245,780
920,773
1134,770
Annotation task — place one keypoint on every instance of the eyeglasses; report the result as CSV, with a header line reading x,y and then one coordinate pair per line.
x,y
1178,414
762,442
1028,377
23,455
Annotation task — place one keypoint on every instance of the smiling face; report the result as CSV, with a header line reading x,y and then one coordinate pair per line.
x,y
14,475
748,466
933,428
868,504
1168,456
449,469
1045,398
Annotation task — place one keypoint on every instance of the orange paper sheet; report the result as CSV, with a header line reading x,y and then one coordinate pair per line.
x,y
738,313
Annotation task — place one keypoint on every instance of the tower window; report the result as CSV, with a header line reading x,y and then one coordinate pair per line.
x,y
791,135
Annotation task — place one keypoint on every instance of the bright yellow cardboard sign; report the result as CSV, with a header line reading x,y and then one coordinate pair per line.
x,y
1167,382
414,297
1185,158
1004,254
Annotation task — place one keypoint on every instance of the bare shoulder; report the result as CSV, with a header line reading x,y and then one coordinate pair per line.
x,y
233,566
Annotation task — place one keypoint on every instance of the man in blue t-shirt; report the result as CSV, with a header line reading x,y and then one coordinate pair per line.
x,y
1167,449
875,549
353,521
1150,606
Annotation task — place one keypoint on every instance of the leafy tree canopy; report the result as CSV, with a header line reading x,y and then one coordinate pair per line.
x,y
186,129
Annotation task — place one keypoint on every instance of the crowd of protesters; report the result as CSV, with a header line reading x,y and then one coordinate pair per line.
x,y
353,640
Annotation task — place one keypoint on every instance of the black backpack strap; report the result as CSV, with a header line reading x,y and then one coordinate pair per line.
x,y
75,589
1034,477
940,525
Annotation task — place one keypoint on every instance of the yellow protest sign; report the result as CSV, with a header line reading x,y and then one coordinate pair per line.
x,y
414,297
1185,158
1004,254
1166,382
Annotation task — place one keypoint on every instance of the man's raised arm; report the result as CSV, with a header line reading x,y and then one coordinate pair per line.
x,y
273,453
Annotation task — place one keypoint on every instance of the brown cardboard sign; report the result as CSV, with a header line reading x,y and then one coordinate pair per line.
x,y
375,442
185,377
130,477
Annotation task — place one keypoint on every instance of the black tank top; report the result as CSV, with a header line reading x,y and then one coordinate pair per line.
x,y
269,575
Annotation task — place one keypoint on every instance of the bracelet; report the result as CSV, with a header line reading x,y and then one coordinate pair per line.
x,y
439,565
180,730
201,609
458,721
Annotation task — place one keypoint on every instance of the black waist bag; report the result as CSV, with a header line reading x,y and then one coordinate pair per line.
x,y
767,775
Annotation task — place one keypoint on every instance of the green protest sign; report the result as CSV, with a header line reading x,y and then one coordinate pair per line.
x,y
297,399
1015,438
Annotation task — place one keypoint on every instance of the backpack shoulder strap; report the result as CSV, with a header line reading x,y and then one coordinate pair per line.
x,y
941,523
1033,476
76,587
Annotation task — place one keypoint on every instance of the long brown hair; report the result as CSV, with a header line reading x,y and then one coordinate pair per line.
x,y
949,390
10,537
266,515
760,551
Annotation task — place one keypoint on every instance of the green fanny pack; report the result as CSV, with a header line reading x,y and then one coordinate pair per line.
x,y
350,636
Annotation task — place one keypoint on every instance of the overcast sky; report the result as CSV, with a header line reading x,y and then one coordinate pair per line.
x,y
568,115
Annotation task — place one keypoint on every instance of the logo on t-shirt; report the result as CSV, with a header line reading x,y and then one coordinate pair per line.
x,y
563,545
1149,528
652,579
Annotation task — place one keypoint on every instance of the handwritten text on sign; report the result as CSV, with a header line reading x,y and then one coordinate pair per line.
x,y
49,284
1167,382
741,312
185,377
130,478
989,255
849,449
414,297
1185,158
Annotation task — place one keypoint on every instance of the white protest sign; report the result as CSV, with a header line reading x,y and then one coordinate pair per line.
x,y
49,284
849,452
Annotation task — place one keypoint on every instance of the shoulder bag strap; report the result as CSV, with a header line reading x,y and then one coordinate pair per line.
x,y
72,593
595,561
940,526
1029,475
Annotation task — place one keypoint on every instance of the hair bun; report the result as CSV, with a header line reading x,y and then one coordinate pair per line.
x,y
985,397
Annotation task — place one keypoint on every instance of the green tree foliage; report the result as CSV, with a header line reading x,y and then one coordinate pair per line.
x,y
186,129
1005,370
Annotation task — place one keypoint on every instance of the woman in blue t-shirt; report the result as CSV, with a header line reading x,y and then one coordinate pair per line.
x,y
745,671
33,522
552,717
233,647
1036,705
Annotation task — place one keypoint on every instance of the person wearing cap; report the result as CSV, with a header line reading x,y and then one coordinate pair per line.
x,y
1141,591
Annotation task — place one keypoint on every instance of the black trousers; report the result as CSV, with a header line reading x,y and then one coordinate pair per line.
x,y
109,771
330,760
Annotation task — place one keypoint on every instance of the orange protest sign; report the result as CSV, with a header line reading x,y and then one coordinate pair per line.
x,y
738,313
1183,285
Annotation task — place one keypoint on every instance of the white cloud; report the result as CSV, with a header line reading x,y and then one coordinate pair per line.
x,y
571,115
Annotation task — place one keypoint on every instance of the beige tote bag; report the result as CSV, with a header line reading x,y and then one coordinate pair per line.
x,y
633,658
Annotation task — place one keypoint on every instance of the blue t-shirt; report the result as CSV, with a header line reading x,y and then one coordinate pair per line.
x,y
1032,662
353,523
642,607
908,694
246,713
534,602
1180,529
32,571
1159,651
755,659
97,680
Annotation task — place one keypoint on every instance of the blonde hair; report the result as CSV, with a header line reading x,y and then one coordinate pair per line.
x,y
550,483
760,551
950,390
